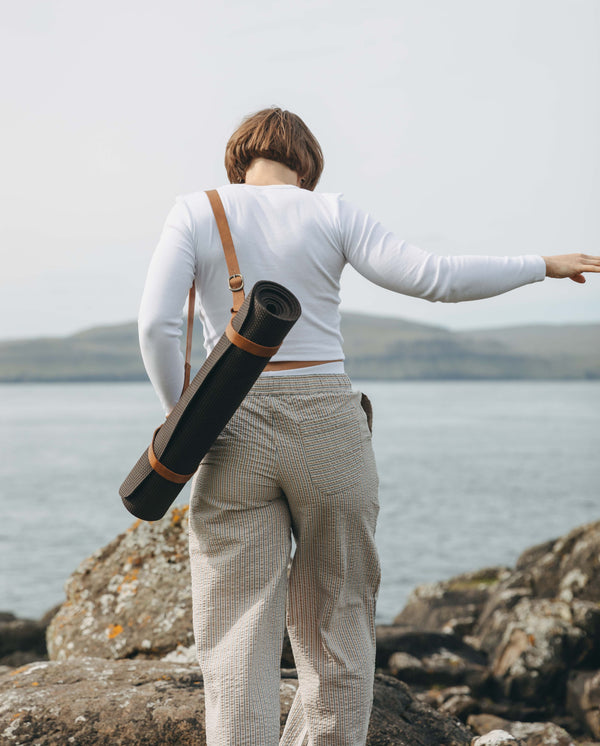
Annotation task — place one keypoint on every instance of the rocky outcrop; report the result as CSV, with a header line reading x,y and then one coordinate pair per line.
x,y
583,699
539,642
538,625
517,733
519,645
130,599
23,640
453,605
430,659
92,701
543,621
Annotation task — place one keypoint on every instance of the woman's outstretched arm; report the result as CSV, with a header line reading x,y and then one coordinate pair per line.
x,y
384,259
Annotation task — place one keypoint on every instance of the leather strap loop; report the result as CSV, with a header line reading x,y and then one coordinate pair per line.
x,y
248,346
161,469
236,281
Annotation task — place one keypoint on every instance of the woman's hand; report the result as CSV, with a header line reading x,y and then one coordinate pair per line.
x,y
571,265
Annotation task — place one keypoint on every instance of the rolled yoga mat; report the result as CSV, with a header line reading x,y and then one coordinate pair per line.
x,y
206,406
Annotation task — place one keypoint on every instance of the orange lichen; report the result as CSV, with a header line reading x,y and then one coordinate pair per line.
x,y
178,514
35,683
113,631
18,670
130,577
17,715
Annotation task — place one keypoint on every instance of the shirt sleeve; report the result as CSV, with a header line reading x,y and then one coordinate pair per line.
x,y
170,276
396,265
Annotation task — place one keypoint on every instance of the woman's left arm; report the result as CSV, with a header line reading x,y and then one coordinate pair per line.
x,y
571,265
170,275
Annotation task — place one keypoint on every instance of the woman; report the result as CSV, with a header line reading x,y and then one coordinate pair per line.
x,y
296,458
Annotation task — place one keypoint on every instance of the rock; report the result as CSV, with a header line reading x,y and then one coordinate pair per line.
x,y
543,620
389,640
541,641
540,734
455,701
181,655
537,624
130,599
94,701
400,719
133,702
526,734
496,738
452,605
485,723
583,699
432,658
441,668
567,568
21,640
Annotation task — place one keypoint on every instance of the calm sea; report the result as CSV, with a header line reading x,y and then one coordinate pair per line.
x,y
472,473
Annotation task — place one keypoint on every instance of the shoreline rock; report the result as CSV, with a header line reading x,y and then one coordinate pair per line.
x,y
131,598
497,646
23,641
95,701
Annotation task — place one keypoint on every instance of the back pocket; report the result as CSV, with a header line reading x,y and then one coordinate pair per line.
x,y
333,451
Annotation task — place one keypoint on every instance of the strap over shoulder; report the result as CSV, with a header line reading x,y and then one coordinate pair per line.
x,y
236,285
236,281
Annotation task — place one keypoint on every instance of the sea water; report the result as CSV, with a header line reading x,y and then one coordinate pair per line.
x,y
471,474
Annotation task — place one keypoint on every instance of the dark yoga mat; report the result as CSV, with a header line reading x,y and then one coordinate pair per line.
x,y
206,406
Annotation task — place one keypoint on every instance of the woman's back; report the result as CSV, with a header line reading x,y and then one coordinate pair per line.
x,y
280,233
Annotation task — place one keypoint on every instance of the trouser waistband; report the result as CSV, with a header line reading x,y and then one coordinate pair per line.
x,y
307,384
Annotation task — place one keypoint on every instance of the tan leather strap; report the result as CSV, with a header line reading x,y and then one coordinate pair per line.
x,y
236,281
248,346
190,329
236,285
161,469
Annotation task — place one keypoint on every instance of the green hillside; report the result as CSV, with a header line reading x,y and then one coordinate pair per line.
x,y
376,348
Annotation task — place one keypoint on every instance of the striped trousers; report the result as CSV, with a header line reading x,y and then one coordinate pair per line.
x,y
295,459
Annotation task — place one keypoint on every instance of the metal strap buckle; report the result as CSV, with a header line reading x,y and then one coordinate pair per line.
x,y
241,286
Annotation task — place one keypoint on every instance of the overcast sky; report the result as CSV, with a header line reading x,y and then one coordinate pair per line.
x,y
466,126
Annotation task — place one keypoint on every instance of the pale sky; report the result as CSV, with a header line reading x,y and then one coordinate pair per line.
x,y
465,126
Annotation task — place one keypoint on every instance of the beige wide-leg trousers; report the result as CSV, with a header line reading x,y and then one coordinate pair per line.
x,y
295,458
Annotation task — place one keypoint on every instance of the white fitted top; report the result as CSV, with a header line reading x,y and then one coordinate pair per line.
x,y
302,240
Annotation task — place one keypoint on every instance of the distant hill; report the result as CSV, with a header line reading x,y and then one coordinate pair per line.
x,y
376,348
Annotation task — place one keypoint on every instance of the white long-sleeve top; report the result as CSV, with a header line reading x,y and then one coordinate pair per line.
x,y
302,240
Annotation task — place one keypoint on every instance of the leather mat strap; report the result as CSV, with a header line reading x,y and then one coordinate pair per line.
x,y
247,345
161,469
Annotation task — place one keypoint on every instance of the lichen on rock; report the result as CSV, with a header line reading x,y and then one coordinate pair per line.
x,y
131,598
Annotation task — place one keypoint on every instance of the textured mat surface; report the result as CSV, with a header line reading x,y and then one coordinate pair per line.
x,y
206,406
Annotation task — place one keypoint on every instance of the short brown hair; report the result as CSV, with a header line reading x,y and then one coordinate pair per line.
x,y
279,136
